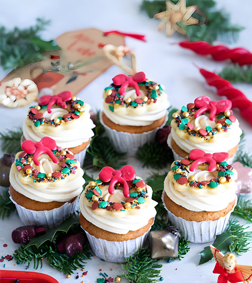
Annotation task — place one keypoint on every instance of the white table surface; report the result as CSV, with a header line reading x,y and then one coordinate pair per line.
x,y
165,63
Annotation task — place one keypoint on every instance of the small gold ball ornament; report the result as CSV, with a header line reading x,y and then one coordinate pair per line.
x,y
127,205
29,160
56,121
94,198
81,109
196,129
139,190
156,87
178,170
218,126
49,175
128,100
145,99
63,152
191,178
222,180
38,107
74,98
118,279
186,114
109,92
175,115
92,184
227,113
28,171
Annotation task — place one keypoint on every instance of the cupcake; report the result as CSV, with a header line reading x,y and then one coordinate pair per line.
x,y
65,119
206,125
117,213
134,109
45,182
199,194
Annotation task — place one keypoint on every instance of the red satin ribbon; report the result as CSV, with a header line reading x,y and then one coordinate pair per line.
x,y
225,277
125,81
215,107
201,157
133,35
46,145
126,173
58,99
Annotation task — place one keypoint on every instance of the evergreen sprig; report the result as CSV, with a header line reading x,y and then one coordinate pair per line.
x,y
243,209
11,141
141,268
218,27
6,205
20,47
101,151
236,73
242,156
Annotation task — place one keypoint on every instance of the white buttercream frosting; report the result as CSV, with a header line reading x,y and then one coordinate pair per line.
x,y
119,222
143,115
61,190
205,199
66,135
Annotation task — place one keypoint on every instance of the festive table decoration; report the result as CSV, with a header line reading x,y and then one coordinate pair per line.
x,y
229,270
80,61
6,205
5,165
23,234
45,247
218,26
177,13
164,243
10,140
71,244
234,239
22,47
17,92
243,209
244,181
236,74
225,88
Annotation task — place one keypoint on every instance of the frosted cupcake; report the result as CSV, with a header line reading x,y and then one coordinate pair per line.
x,y
134,109
45,183
206,125
64,118
199,194
116,213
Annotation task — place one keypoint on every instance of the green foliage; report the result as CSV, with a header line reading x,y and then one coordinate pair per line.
x,y
6,205
21,47
171,111
218,27
236,73
44,247
11,141
101,151
234,239
141,268
243,209
245,158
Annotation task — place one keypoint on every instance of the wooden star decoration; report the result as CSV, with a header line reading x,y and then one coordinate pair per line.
x,y
176,13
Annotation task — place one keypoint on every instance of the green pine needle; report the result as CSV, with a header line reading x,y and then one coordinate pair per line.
x,y
218,27
21,47
141,268
11,141
243,209
171,111
6,205
236,73
245,158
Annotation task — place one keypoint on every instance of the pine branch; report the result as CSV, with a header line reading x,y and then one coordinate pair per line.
x,y
11,141
141,268
243,209
235,73
6,205
171,111
245,158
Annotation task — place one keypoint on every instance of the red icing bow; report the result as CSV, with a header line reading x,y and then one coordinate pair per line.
x,y
126,173
58,99
46,145
226,277
126,81
215,107
201,157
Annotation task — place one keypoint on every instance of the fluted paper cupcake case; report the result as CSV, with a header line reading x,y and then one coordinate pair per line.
x,y
126,142
199,232
177,157
113,251
49,218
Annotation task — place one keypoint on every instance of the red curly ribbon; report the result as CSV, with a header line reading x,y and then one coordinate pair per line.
x,y
125,81
225,88
46,145
238,55
133,35
226,277
58,99
204,104
200,157
125,174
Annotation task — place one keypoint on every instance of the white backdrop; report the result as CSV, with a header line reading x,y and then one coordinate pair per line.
x,y
163,62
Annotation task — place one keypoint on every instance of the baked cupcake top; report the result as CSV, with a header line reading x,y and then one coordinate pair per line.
x,y
45,172
202,182
206,125
134,100
118,201
62,117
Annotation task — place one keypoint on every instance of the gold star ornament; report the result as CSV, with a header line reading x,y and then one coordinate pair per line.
x,y
177,13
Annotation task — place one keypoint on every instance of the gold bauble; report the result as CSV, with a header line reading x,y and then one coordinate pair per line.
x,y
74,98
28,171
145,99
178,170
56,121
77,106
139,189
63,152
38,107
222,180
156,87
175,115
196,129
186,114
118,279
49,175
109,92
218,126
128,100
95,198
29,160
191,178
92,184
127,205
81,109
227,113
